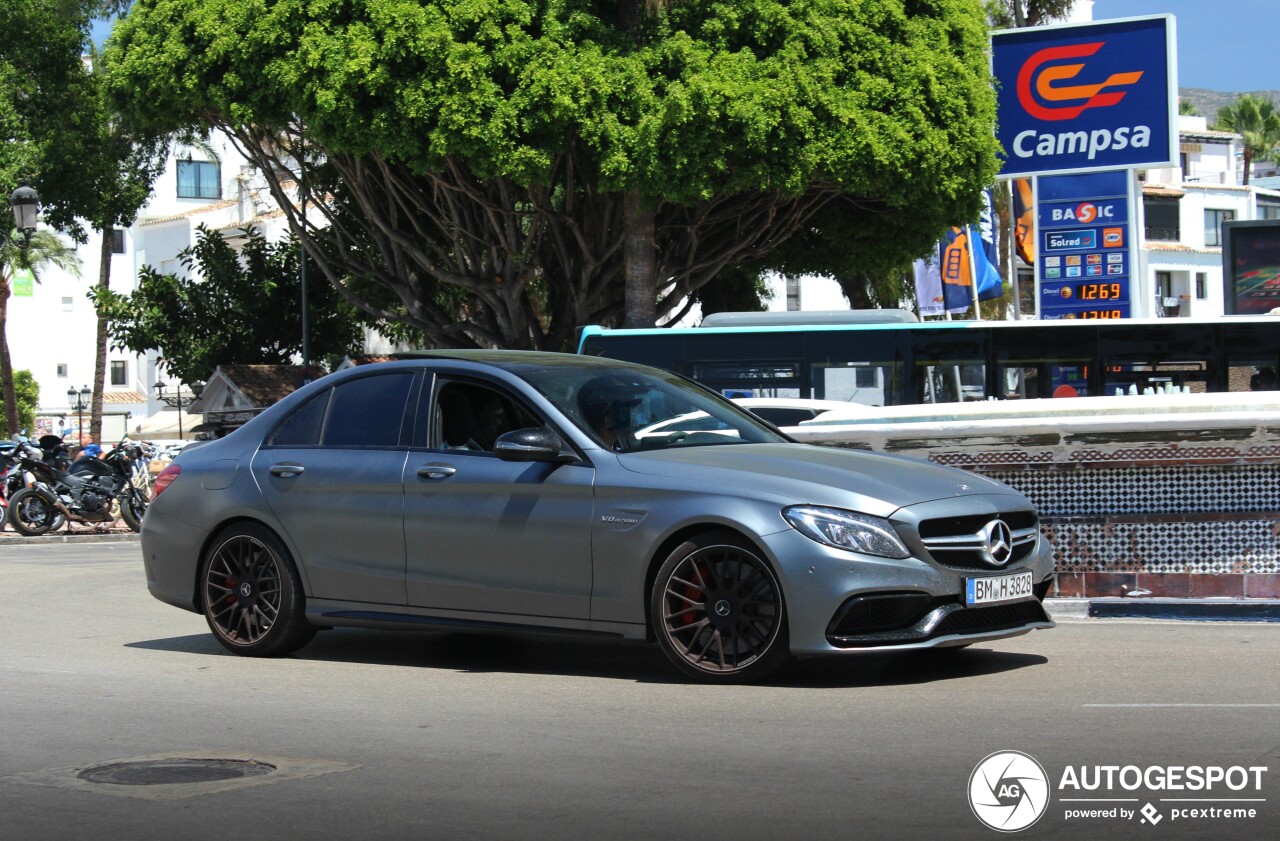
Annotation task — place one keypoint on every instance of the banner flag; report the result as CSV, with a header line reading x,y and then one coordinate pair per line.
x,y
987,258
928,288
1024,209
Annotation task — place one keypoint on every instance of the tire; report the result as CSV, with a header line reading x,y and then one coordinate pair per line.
x,y
31,514
717,610
251,593
132,506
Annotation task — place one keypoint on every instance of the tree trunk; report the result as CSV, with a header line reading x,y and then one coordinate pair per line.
x,y
1248,164
6,365
640,261
100,364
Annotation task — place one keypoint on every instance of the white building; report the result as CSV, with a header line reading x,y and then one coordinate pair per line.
x,y
52,326
1183,211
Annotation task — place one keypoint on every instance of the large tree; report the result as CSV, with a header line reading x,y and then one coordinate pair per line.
x,y
488,163
1255,119
228,306
95,168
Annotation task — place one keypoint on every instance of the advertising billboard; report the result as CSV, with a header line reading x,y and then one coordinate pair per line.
x,y
1083,254
1251,266
1086,97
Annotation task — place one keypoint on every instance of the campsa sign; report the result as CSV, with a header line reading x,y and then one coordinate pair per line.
x,y
1087,97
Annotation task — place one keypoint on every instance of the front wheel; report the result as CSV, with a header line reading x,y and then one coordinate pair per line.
x,y
717,611
252,594
31,514
132,506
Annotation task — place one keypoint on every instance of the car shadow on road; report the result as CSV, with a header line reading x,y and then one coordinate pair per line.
x,y
481,653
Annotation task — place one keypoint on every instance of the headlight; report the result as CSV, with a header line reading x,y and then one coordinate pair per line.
x,y
846,530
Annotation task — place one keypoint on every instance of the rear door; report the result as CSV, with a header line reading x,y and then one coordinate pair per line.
x,y
331,473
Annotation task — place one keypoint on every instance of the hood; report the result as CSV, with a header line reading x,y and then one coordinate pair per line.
x,y
874,483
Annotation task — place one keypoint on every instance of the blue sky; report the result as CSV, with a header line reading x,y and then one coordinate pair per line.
x,y
1223,45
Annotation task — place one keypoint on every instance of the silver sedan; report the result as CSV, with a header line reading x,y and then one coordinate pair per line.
x,y
534,492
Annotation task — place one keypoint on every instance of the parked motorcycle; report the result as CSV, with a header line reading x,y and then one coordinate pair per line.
x,y
88,490
16,477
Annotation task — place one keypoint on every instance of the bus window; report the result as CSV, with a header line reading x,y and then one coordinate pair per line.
x,y
867,383
950,369
1135,377
752,379
1257,374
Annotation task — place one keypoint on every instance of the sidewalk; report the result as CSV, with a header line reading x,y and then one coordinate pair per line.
x,y
106,534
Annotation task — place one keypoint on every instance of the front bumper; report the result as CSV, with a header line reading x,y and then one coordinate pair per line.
x,y
906,604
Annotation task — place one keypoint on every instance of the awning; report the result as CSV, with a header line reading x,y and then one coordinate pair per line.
x,y
164,425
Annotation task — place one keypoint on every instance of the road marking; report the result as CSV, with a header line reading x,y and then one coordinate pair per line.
x,y
1186,706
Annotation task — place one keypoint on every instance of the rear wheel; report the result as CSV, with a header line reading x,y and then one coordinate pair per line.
x,y
252,594
31,514
717,611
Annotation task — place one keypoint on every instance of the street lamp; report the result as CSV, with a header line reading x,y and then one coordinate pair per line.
x,y
79,400
179,400
25,203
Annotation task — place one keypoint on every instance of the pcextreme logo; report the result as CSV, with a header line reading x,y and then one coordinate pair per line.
x,y
1044,69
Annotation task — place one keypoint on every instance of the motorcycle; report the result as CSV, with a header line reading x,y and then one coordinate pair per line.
x,y
88,490
16,477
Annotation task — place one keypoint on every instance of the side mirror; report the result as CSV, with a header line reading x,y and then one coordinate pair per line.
x,y
533,444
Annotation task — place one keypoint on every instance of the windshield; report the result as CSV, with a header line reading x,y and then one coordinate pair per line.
x,y
628,409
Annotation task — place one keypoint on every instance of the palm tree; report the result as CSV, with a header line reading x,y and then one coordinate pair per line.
x,y
1255,119
35,253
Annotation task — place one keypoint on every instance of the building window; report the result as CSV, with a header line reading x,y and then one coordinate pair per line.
x,y
117,240
1202,286
1266,210
118,374
62,369
68,304
199,180
1213,220
1162,224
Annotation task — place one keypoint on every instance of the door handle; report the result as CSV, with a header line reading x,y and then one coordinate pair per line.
x,y
436,471
287,471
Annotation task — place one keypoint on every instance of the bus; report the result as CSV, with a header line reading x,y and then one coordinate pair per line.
x,y
891,358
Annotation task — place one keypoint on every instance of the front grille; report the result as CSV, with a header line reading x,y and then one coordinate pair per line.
x,y
854,625
997,617
957,542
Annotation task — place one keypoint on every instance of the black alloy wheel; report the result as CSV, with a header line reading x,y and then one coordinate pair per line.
x,y
31,514
252,595
717,611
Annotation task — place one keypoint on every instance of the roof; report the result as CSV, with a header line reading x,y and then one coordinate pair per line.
x,y
123,397
1209,135
207,208
1162,191
1176,246
264,385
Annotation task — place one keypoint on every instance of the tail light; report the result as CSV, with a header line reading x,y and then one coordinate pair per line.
x,y
165,479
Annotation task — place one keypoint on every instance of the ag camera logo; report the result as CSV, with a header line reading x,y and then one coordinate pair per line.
x,y
1009,791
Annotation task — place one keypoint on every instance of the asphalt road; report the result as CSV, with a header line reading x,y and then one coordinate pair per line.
x,y
450,736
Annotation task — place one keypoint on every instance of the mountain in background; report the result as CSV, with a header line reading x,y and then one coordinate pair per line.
x,y
1208,102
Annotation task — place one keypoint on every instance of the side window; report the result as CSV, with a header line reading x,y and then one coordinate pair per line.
x,y
467,416
302,428
368,412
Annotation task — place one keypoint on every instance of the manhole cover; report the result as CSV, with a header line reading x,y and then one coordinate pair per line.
x,y
174,771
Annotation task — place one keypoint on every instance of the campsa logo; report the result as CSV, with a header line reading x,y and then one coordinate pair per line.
x,y
1049,90
1009,791
1042,71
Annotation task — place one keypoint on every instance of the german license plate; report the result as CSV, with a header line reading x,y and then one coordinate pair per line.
x,y
998,589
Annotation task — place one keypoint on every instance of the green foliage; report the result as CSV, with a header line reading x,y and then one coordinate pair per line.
x,y
229,307
1255,118
717,113
27,391
1188,108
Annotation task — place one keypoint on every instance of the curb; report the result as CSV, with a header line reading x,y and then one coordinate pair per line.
x,y
1194,610
110,537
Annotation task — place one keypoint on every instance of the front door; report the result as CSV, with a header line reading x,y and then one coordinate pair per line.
x,y
482,534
